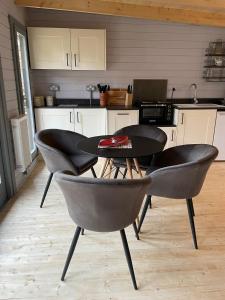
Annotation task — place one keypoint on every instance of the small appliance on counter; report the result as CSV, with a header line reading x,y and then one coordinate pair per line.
x,y
150,95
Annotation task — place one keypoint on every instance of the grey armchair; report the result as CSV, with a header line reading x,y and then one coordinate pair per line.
x,y
102,205
148,131
60,152
179,173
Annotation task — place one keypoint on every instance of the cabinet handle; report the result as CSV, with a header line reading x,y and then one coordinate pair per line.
x,y
75,59
182,118
78,119
67,59
70,117
122,114
172,136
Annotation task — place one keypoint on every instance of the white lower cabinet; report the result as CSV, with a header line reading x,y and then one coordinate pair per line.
x,y
89,122
57,118
195,126
171,133
118,119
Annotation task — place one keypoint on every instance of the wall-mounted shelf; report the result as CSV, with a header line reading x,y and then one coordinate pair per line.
x,y
214,79
221,54
217,67
214,69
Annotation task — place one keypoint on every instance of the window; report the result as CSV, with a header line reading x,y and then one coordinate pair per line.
x,y
21,67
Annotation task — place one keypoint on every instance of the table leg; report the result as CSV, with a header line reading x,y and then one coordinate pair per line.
x,y
104,167
137,167
129,168
110,167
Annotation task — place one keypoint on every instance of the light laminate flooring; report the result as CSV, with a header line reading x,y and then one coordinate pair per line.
x,y
34,243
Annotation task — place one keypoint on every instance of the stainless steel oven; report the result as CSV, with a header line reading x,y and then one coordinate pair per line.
x,y
156,113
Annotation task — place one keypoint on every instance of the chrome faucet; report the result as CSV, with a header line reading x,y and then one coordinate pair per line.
x,y
90,88
194,86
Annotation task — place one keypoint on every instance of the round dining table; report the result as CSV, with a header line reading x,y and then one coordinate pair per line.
x,y
138,147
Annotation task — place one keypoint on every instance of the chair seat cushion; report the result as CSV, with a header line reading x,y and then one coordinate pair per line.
x,y
83,162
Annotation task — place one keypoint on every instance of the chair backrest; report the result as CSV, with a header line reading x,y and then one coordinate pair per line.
x,y
181,170
102,205
56,146
145,131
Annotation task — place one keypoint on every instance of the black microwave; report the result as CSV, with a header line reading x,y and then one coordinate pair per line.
x,y
156,113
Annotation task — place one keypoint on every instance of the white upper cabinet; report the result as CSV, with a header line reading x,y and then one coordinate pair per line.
x,y
195,126
88,49
67,49
49,48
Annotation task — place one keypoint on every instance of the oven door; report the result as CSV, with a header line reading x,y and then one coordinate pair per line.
x,y
153,114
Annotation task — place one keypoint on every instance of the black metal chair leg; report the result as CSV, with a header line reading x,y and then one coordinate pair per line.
x,y
128,257
116,173
70,254
136,230
93,172
46,189
192,223
192,208
82,231
125,173
150,203
145,208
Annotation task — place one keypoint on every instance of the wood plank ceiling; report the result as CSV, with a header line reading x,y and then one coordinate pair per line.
x,y
200,12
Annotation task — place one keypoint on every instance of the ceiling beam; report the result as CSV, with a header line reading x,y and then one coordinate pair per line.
x,y
152,12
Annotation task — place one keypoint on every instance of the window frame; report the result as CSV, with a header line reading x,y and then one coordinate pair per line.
x,y
15,27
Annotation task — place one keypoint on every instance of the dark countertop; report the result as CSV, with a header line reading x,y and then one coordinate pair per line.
x,y
92,107
84,103
198,106
117,107
71,106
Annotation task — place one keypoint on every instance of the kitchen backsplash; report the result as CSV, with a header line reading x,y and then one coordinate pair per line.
x,y
135,49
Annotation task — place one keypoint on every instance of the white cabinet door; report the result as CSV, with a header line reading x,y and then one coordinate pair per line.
x,y
118,119
56,118
90,122
219,136
171,133
88,47
49,48
195,126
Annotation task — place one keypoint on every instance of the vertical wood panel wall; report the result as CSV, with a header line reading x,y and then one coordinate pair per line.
x,y
135,49
8,7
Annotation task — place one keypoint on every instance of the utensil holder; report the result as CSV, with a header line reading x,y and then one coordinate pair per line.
x,y
103,99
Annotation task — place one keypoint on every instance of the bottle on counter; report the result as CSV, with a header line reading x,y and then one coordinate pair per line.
x,y
50,101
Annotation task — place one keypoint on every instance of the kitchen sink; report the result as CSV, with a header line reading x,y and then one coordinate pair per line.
x,y
199,105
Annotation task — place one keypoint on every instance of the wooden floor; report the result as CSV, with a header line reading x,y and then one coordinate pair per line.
x,y
34,244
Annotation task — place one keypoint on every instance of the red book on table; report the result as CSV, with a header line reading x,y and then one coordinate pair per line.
x,y
113,141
